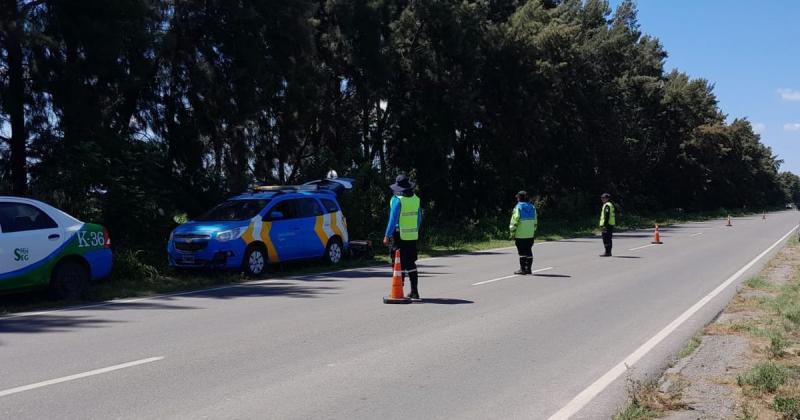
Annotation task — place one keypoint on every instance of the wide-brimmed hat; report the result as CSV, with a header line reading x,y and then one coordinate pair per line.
x,y
605,195
402,184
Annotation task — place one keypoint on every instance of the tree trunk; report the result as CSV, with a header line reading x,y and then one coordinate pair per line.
x,y
15,101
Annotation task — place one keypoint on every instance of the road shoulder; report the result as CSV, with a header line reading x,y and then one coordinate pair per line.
x,y
745,364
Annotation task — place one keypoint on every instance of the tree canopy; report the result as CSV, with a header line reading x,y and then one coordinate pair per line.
x,y
130,111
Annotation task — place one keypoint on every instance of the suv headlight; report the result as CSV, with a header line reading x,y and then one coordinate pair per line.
x,y
230,235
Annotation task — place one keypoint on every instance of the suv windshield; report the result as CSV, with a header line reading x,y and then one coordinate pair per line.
x,y
233,210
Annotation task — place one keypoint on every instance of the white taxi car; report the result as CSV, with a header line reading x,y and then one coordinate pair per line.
x,y
41,246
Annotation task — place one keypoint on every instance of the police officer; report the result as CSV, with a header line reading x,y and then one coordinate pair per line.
x,y
607,222
523,228
403,227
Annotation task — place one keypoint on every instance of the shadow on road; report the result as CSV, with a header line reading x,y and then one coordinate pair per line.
x,y
626,256
446,301
552,275
66,319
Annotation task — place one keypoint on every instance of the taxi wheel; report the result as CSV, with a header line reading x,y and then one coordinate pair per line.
x,y
70,280
334,252
255,261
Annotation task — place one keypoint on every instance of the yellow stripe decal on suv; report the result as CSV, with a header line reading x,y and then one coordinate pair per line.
x,y
320,230
272,253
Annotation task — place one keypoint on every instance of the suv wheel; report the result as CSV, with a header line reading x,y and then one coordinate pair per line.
x,y
70,279
255,261
334,252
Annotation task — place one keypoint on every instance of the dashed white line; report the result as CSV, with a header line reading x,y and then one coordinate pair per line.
x,y
510,277
697,234
642,247
78,376
588,394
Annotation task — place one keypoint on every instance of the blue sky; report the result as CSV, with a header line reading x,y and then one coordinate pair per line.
x,y
749,50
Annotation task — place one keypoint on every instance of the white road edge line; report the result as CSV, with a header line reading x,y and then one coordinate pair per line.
x,y
697,234
510,277
642,247
78,376
588,394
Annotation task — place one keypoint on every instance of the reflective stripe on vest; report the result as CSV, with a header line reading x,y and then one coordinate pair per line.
x,y
409,218
611,219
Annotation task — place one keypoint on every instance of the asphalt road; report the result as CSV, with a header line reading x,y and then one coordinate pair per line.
x,y
326,347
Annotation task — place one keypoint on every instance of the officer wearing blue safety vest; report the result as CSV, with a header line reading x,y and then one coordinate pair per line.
x,y
607,222
523,229
405,219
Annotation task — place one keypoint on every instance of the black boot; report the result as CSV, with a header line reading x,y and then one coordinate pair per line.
x,y
414,278
522,264
607,254
529,265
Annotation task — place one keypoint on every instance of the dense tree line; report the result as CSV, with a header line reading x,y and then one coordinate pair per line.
x,y
128,112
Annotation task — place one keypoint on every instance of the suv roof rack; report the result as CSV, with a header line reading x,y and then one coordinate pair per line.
x,y
284,188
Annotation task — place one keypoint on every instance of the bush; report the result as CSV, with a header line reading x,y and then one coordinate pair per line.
x,y
765,377
789,407
129,265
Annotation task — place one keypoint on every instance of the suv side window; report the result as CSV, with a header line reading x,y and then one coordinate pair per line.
x,y
288,208
308,207
18,217
330,206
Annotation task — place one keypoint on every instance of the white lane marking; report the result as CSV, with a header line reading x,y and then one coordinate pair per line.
x,y
697,234
642,247
510,277
588,394
78,376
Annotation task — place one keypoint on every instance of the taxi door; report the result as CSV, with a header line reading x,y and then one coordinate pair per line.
x,y
284,230
29,236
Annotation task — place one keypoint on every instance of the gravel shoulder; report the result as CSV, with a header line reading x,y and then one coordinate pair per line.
x,y
745,364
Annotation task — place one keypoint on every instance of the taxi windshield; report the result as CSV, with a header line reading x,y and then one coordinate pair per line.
x,y
232,210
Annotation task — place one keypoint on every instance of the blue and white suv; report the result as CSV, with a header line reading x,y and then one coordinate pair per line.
x,y
268,225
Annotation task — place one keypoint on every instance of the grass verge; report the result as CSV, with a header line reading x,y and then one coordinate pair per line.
x,y
767,314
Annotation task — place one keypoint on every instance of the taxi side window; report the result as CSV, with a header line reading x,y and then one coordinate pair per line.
x,y
330,206
288,208
308,207
18,217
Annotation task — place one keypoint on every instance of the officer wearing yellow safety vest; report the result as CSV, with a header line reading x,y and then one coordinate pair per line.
x,y
405,219
607,222
523,229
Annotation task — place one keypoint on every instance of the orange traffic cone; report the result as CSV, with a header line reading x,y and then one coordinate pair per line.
x,y
729,221
396,294
657,236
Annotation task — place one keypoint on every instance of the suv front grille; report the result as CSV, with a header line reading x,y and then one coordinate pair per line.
x,y
191,242
191,246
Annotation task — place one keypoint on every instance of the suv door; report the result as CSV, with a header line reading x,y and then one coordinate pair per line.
x,y
284,231
28,236
309,244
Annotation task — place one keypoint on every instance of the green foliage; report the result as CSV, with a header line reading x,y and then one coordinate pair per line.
x,y
635,412
140,110
777,344
690,346
129,265
764,377
758,282
787,406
